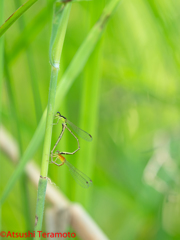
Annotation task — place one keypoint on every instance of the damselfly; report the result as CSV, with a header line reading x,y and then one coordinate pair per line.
x,y
65,123
79,176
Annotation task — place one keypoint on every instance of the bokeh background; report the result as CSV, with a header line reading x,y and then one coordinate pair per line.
x,y
126,97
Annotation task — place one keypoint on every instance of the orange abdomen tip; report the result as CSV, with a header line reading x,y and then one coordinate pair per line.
x,y
61,158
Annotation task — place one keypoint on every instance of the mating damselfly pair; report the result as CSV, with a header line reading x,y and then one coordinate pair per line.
x,y
79,176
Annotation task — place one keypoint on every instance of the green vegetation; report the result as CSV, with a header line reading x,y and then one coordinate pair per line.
x,y
118,80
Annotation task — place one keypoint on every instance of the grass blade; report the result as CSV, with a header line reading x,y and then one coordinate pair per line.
x,y
32,71
89,120
1,71
32,30
15,16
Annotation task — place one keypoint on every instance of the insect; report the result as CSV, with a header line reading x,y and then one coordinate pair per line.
x,y
65,123
83,180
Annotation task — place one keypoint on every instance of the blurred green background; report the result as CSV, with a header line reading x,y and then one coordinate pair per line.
x,y
126,97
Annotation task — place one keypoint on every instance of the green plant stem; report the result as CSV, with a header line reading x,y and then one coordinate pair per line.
x,y
50,116
23,8
40,205
60,19
46,150
68,78
1,51
1,76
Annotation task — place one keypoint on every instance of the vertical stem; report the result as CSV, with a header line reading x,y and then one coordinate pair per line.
x,y
40,205
1,51
60,19
1,69
49,122
46,150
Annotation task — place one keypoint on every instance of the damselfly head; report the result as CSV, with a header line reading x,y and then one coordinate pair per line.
x,y
58,115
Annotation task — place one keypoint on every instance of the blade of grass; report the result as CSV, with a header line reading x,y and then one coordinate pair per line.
x,y
60,20
1,73
23,8
32,30
88,119
75,67
32,71
1,51
81,57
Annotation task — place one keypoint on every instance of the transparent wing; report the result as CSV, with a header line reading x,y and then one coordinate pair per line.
x,y
83,180
86,136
